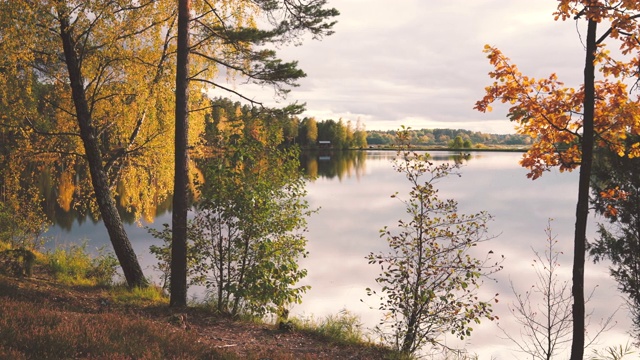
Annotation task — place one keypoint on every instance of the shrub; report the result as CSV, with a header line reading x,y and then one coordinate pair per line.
x,y
72,265
429,276
248,230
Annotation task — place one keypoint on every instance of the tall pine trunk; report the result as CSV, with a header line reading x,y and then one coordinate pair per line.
x,y
178,285
106,204
582,208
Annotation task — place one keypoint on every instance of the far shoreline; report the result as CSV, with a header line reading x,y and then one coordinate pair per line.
x,y
425,148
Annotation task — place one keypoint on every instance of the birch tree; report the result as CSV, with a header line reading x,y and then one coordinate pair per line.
x,y
89,80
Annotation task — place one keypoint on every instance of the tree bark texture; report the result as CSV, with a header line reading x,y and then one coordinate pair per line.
x,y
106,204
582,208
178,285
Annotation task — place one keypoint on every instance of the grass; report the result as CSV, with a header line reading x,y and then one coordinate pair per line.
x,y
36,329
72,265
32,330
71,309
44,320
343,328
149,296
28,331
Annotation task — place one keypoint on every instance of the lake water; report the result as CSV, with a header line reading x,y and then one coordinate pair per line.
x,y
355,204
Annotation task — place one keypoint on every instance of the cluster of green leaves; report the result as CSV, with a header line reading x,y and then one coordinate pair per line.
x,y
342,134
459,143
22,225
247,233
163,252
249,229
226,114
430,276
21,221
16,262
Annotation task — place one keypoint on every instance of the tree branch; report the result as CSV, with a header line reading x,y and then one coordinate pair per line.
x,y
47,133
253,102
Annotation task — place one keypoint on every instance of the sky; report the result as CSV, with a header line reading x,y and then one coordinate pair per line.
x,y
419,63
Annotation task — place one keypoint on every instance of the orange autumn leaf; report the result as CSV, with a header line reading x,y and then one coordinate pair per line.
x,y
551,113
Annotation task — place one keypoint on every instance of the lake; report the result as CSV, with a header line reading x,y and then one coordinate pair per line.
x,y
353,194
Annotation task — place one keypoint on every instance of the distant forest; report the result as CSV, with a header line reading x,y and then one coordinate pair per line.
x,y
341,134
453,138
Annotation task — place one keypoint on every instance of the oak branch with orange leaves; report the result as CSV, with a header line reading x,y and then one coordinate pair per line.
x,y
552,114
567,123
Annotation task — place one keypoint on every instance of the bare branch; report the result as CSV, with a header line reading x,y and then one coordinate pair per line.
x,y
47,133
253,102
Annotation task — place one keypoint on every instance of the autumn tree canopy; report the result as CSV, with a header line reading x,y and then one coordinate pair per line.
x,y
552,114
88,82
125,60
567,123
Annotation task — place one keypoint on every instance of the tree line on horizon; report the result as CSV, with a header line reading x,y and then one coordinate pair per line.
x,y
293,130
453,138
312,133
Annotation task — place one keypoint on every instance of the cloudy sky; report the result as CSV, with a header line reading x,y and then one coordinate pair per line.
x,y
419,63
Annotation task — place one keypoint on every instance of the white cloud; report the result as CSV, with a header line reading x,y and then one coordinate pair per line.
x,y
391,63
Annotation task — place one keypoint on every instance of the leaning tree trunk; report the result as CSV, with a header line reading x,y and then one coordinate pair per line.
x,y
178,284
106,204
582,208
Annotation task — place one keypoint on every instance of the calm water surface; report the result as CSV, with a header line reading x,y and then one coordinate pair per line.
x,y
355,204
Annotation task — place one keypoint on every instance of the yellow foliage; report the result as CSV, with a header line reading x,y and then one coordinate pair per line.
x,y
66,188
128,67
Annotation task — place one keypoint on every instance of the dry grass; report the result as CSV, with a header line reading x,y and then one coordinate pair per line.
x,y
69,310
30,331
40,321
41,318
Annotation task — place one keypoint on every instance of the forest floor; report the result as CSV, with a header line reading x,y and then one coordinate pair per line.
x,y
29,307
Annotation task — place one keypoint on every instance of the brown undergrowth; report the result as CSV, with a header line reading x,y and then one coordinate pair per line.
x,y
43,319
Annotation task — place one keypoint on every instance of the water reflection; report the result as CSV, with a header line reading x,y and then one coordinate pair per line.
x,y
353,191
64,187
355,209
332,164
341,164
67,197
